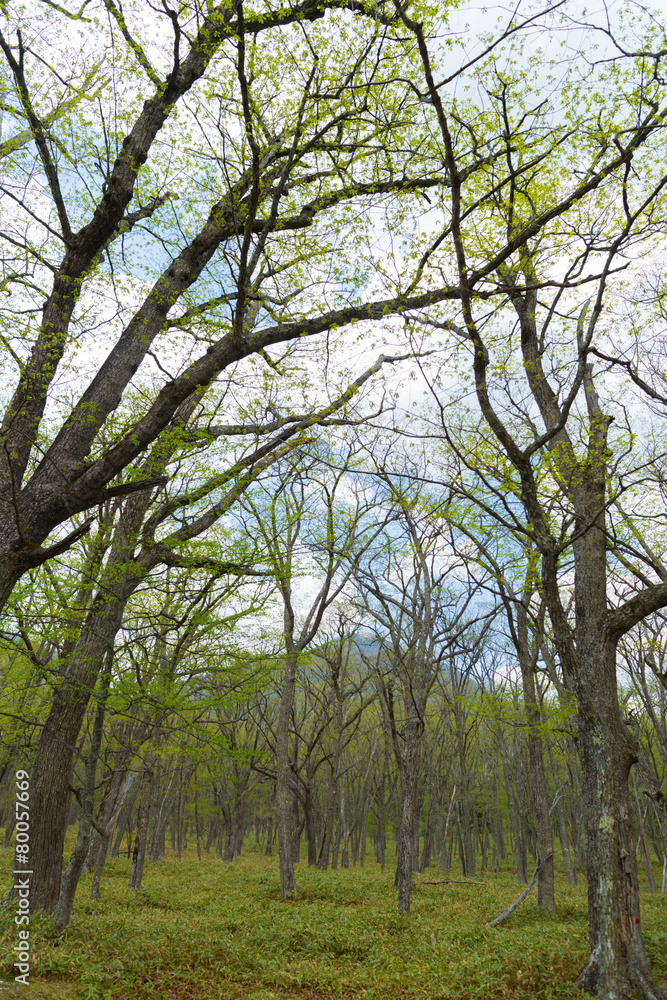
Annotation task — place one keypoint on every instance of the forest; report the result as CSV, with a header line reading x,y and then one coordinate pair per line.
x,y
333,499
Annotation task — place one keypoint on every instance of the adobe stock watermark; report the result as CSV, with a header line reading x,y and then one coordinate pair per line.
x,y
22,873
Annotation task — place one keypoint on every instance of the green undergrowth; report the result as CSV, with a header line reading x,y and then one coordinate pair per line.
x,y
220,931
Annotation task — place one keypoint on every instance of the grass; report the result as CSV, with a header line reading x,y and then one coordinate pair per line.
x,y
218,931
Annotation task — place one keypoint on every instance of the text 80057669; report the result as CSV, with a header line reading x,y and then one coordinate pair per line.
x,y
22,873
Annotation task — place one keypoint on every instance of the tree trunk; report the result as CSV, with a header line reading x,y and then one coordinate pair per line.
x,y
9,829
141,836
642,839
329,817
53,766
618,963
344,831
381,812
309,816
565,846
70,879
125,817
161,812
413,731
284,779
101,861
269,825
466,828
228,852
562,827
546,896
425,859
197,833
104,839
181,829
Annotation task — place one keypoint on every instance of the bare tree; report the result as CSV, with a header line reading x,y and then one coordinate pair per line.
x,y
304,517
408,595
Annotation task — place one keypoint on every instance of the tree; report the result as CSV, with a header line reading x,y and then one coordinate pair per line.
x,y
132,552
419,613
155,302
344,679
525,624
304,514
136,537
545,465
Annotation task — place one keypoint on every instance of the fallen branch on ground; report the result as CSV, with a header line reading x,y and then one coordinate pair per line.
x,y
510,909
456,881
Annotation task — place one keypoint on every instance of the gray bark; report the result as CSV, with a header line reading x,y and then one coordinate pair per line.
x,y
70,879
284,792
141,835
410,761
546,898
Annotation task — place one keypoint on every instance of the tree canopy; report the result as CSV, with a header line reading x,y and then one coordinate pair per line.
x,y
228,536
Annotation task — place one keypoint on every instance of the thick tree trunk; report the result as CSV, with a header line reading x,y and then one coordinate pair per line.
x,y
53,766
284,791
546,896
70,880
618,964
413,731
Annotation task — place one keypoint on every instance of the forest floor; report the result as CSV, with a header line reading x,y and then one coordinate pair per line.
x,y
211,930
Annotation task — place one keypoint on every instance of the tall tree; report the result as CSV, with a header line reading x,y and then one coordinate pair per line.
x,y
407,598
153,293
547,431
308,513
